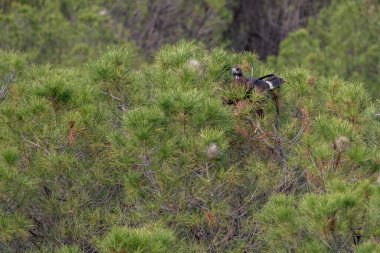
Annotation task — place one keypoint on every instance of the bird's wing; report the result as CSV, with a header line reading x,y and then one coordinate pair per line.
x,y
268,82
266,76
261,85
275,81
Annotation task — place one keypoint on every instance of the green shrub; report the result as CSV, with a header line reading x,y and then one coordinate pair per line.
x,y
90,156
153,240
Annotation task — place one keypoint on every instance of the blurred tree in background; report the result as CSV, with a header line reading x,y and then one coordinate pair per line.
x,y
342,41
59,32
260,26
67,31
153,23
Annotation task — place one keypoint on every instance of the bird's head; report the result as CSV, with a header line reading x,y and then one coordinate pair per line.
x,y
236,72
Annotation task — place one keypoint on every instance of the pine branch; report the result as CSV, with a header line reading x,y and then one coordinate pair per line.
x,y
112,96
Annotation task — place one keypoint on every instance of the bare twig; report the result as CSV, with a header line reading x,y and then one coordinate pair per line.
x,y
4,88
112,96
297,136
280,149
35,144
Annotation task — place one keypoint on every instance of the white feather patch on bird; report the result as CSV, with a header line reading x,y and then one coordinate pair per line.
x,y
270,85
212,151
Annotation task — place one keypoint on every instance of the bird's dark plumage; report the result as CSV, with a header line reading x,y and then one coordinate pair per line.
x,y
259,85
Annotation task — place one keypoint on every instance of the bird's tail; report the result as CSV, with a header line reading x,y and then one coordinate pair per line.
x,y
273,81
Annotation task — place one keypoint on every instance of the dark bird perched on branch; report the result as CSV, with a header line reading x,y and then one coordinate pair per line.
x,y
259,85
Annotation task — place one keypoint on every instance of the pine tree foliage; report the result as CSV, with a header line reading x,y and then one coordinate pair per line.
x,y
123,156
153,240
